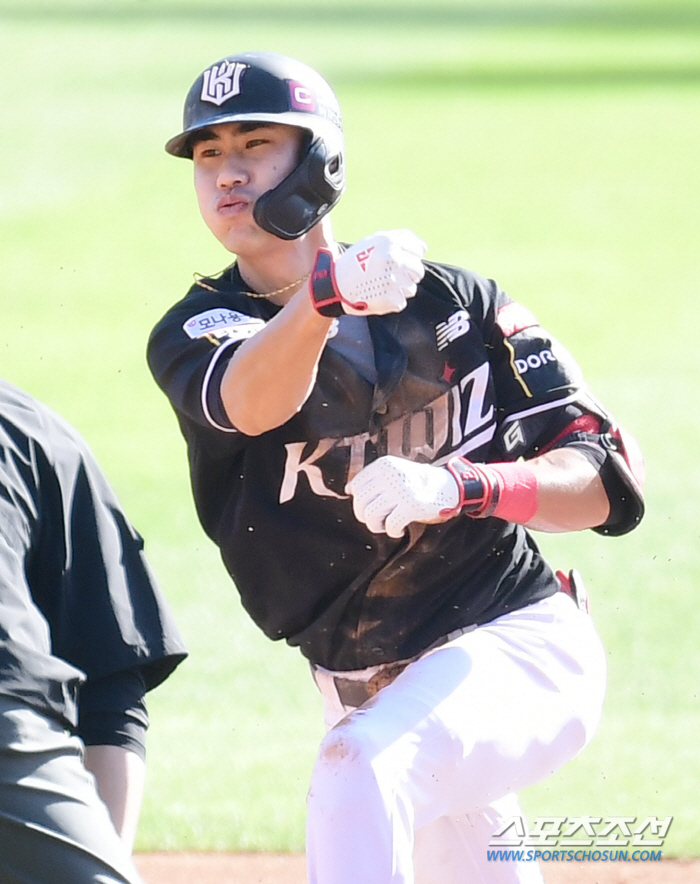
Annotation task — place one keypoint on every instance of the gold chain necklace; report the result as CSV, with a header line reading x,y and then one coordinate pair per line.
x,y
285,288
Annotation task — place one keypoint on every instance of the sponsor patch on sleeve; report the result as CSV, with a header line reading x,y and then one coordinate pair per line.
x,y
514,317
223,323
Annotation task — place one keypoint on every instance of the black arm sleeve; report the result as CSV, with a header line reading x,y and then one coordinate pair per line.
x,y
112,712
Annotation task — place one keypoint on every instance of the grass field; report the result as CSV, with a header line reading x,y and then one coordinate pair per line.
x,y
552,146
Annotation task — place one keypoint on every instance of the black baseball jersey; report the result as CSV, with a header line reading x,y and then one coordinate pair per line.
x,y
462,370
78,602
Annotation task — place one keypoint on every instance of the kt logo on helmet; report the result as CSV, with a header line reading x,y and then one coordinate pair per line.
x,y
222,82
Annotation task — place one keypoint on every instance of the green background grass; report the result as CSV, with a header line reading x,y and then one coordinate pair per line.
x,y
552,146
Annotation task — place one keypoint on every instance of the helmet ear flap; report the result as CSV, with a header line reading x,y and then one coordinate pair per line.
x,y
308,193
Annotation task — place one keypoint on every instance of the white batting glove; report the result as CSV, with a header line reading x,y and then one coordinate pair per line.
x,y
391,492
375,276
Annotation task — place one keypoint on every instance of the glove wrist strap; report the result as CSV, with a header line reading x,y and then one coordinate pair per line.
x,y
476,492
324,294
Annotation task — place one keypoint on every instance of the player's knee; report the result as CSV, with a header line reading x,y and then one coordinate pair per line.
x,y
346,745
335,748
347,772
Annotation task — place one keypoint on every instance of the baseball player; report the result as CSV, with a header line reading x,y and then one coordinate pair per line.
x,y
84,633
372,438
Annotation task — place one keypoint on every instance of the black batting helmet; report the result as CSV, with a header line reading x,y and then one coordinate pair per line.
x,y
272,88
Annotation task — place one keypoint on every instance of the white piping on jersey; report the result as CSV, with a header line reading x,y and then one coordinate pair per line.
x,y
547,406
205,386
486,435
480,439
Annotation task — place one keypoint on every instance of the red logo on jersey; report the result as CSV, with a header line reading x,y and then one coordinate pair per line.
x,y
363,257
514,317
447,373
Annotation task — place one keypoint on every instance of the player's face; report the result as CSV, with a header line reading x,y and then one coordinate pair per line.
x,y
234,164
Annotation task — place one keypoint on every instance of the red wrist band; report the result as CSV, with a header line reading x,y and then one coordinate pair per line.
x,y
505,490
517,499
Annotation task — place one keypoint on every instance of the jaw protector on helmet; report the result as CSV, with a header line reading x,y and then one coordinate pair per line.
x,y
272,88
304,196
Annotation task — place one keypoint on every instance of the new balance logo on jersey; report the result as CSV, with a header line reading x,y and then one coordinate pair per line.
x,y
363,257
222,82
456,326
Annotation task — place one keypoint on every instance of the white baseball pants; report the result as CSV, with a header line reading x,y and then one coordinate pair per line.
x,y
411,786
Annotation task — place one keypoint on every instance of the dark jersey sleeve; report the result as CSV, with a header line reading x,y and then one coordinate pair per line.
x,y
29,672
112,712
189,349
91,581
537,381
89,574
87,606
545,403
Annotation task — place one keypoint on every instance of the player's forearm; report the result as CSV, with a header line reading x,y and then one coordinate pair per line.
x,y
120,775
558,491
272,374
570,494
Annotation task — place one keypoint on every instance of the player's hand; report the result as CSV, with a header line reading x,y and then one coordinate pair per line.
x,y
374,276
391,492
